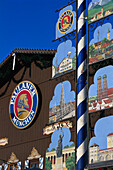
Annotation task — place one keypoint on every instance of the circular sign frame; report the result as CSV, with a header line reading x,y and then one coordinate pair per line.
x,y
65,21
23,104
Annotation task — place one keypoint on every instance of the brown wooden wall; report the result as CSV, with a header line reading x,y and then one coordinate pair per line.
x,y
21,142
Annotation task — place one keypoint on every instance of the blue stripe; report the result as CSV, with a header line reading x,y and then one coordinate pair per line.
x,y
81,135
82,32
81,82
81,56
81,9
82,162
81,109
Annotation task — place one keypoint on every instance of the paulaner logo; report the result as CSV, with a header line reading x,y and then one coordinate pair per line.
x,y
23,104
65,21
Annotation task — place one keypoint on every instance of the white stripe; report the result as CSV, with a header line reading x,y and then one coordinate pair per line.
x,y
81,68
5,166
18,165
81,149
81,121
81,20
26,163
81,44
41,163
79,3
82,95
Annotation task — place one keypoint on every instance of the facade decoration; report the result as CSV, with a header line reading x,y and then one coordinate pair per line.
x,y
23,104
101,146
51,128
102,90
34,154
61,152
67,21
97,155
3,141
99,9
101,43
13,158
65,59
63,103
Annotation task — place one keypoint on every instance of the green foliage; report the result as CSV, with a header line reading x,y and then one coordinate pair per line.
x,y
105,40
74,62
67,146
47,150
70,162
48,165
72,145
97,9
53,149
91,50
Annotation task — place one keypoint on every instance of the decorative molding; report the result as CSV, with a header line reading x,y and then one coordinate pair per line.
x,y
51,128
34,154
13,158
3,141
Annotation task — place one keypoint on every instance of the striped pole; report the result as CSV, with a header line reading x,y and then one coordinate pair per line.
x,y
82,156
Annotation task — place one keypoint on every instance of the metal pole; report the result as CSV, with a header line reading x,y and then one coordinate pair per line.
x,y
82,151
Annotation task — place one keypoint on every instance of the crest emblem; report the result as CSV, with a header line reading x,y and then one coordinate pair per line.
x,y
65,21
23,104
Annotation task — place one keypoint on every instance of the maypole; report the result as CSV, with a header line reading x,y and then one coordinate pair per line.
x,y
82,156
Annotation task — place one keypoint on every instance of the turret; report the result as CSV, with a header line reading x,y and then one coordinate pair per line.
x,y
108,34
99,89
94,153
105,89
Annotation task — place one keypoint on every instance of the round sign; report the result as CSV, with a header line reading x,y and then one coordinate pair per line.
x,y
65,21
23,104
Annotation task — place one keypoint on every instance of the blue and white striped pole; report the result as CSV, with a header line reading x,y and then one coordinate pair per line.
x,y
82,156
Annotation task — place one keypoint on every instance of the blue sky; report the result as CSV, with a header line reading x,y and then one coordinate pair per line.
x,y
28,24
63,50
102,128
102,33
68,94
55,137
102,28
105,70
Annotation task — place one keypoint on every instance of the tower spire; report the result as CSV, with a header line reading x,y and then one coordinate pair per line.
x,y
99,89
62,101
105,88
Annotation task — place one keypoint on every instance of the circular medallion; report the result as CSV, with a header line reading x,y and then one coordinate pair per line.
x,y
23,104
65,21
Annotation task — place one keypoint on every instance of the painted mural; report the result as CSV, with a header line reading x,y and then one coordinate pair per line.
x,y
101,92
65,58
98,9
61,151
101,41
62,105
101,146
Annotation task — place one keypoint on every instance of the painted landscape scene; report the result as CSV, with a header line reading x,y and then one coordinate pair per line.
x,y
61,152
101,45
101,146
62,106
65,58
99,9
101,92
